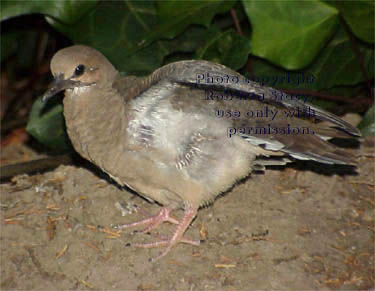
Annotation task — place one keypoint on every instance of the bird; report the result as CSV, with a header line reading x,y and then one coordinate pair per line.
x,y
187,132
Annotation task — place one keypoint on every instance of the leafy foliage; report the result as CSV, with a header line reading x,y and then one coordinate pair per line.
x,y
48,125
278,38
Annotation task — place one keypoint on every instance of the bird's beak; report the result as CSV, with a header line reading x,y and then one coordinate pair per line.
x,y
59,84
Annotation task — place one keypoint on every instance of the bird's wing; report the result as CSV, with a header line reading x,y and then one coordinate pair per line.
x,y
196,73
184,85
186,108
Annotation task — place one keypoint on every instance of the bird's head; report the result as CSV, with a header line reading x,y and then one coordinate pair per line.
x,y
79,67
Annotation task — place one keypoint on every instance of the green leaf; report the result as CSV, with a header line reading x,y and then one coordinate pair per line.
x,y
48,127
174,16
118,29
290,33
367,125
133,35
359,15
227,48
336,65
68,11
184,45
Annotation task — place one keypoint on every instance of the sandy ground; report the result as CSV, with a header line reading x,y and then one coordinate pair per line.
x,y
306,227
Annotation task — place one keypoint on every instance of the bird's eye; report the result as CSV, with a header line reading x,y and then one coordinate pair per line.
x,y
80,69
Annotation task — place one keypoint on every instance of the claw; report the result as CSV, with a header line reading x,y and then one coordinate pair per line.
x,y
164,216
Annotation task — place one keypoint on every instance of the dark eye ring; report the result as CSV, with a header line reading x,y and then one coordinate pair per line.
x,y
80,69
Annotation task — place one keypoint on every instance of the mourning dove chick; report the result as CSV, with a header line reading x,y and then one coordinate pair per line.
x,y
187,132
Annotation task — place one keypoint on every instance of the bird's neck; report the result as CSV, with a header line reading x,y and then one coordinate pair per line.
x,y
95,121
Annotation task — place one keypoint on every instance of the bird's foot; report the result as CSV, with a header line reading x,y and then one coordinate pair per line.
x,y
153,221
164,215
189,214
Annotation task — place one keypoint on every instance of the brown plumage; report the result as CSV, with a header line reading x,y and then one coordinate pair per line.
x,y
164,136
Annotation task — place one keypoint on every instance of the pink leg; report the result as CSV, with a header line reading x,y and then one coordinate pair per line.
x,y
190,213
164,215
152,222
